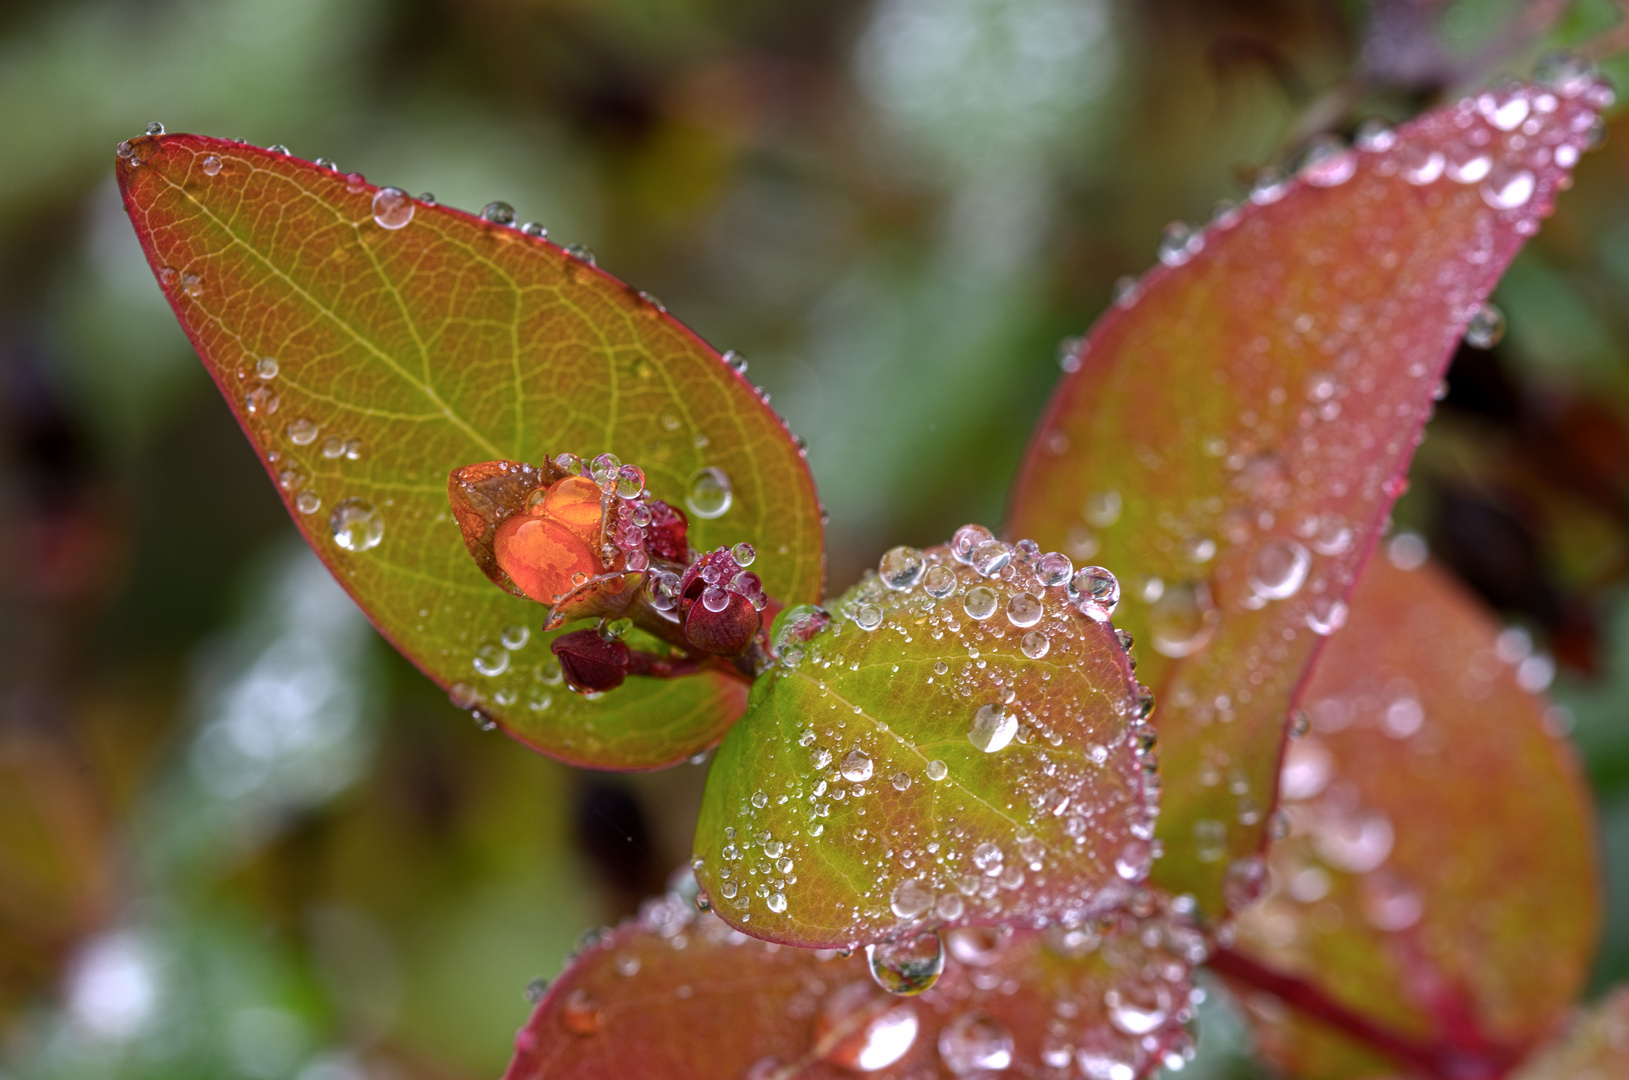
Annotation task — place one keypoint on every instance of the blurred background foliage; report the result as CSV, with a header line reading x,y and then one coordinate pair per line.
x,y
239,837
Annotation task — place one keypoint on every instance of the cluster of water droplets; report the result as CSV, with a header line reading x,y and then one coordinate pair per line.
x,y
1021,785
1116,999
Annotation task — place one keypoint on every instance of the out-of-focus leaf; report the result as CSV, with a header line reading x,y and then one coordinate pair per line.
x,y
369,344
1439,876
1239,426
955,764
1597,1047
677,996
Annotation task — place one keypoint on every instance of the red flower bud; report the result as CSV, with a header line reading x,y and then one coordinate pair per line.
x,y
591,663
724,630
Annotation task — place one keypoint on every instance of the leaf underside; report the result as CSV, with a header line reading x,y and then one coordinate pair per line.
x,y
1240,424
399,354
928,772
1441,865
679,996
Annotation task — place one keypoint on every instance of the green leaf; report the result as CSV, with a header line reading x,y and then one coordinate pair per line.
x,y
931,770
1440,873
368,356
1239,425
678,996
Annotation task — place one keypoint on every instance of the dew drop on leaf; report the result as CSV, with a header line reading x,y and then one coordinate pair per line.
x,y
939,581
1486,328
498,212
993,728
1102,509
491,660
974,1041
937,770
1279,569
874,1041
901,567
309,502
1024,610
515,636
392,208
266,368
1035,644
1054,568
581,1013
708,494
302,432
212,165
868,617
980,602
991,557
906,968
1183,618
979,946
356,524
857,766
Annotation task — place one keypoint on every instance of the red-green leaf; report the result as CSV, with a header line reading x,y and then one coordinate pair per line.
x,y
1440,873
1597,1047
954,749
370,344
1240,424
676,996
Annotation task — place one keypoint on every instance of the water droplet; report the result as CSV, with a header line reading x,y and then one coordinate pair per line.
x,y
498,212
1024,610
949,907
392,208
212,165
991,557
1209,840
533,228
463,695
1328,163
266,368
966,540
708,494
820,757
901,567
911,898
901,781
491,660
937,770
939,581
514,636
1054,568
1467,165
1138,1009
155,128
1244,882
868,617
1374,135
906,968
1035,644
260,401
1420,165
980,602
1508,189
1102,508
1179,243
973,1041
776,902
356,524
744,554
1486,328
1279,569
302,432
877,1043
979,946
993,728
988,857
857,766
308,502
1325,615
581,1013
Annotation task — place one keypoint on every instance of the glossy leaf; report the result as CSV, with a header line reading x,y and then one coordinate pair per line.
x,y
370,345
677,996
1440,873
1596,1048
1241,422
928,771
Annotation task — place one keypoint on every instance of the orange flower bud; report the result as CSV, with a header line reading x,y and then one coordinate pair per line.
x,y
554,546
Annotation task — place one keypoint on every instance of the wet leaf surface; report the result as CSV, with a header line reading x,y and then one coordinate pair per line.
x,y
1440,875
971,758
1239,425
370,344
1595,1048
675,995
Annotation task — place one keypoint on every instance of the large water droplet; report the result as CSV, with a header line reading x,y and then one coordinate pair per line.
x,y
908,967
1279,569
356,524
991,557
857,766
974,1041
491,660
1508,189
1054,568
901,567
966,540
392,208
1138,1009
1095,591
1023,610
1102,508
498,212
979,946
937,770
708,495
212,165
1035,644
993,728
980,602
580,1013
939,581
875,1041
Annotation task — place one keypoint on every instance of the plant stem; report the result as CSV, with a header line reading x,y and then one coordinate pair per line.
x,y
1436,1060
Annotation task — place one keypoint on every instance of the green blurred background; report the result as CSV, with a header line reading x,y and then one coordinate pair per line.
x,y
239,837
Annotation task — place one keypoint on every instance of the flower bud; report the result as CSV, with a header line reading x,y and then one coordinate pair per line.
x,y
590,662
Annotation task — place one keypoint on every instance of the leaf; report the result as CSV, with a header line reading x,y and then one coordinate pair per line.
x,y
928,771
1440,875
676,996
367,361
1596,1048
1241,422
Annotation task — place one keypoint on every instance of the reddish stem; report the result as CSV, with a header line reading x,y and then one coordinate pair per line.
x,y
1437,1060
